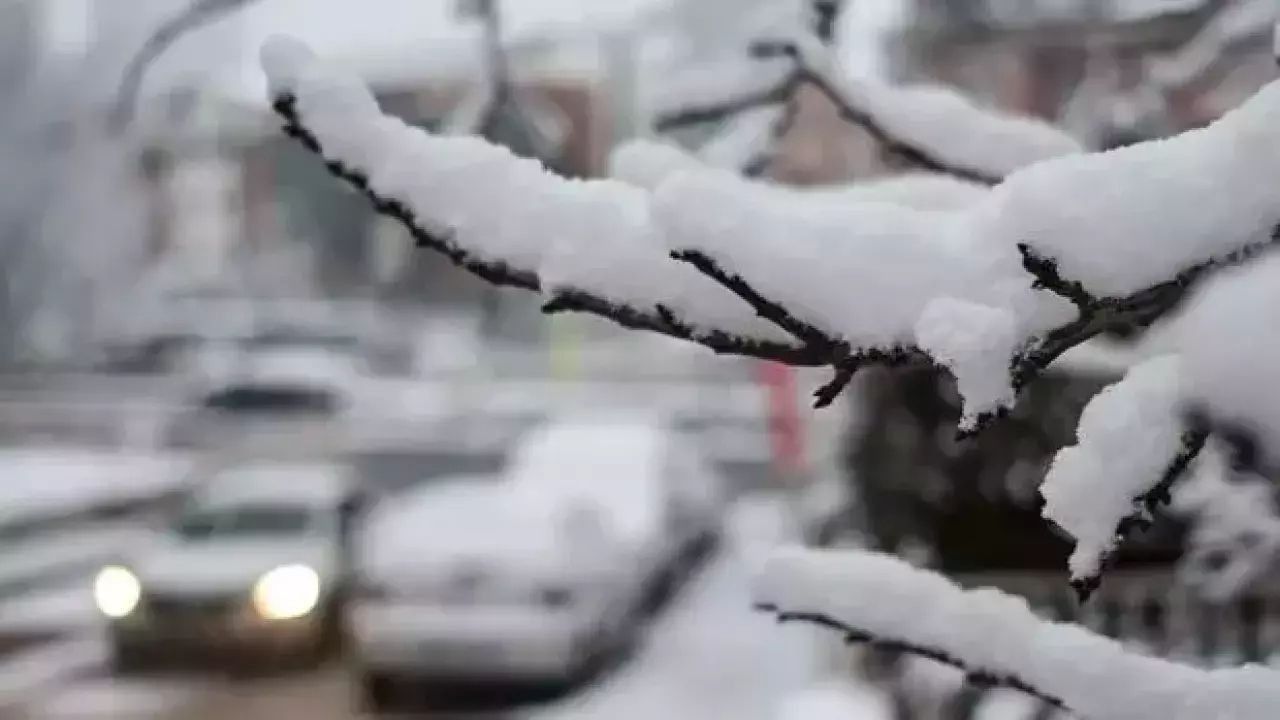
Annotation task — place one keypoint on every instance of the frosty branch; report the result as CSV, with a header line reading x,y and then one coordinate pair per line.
x,y
501,274
853,635
993,289
808,69
997,641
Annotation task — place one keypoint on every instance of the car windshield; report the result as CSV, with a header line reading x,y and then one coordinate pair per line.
x,y
243,521
300,340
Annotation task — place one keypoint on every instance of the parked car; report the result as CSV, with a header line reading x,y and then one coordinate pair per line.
x,y
280,369
257,559
537,575
659,491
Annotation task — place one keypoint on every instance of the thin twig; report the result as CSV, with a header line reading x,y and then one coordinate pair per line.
x,y
768,309
981,678
719,111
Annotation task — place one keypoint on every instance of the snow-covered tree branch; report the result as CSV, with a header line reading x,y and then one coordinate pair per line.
x,y
1028,247
996,640
929,127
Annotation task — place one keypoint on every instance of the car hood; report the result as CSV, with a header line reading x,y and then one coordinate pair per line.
x,y
300,365
222,567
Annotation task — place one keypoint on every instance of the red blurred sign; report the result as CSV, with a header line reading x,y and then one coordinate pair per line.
x,y
785,422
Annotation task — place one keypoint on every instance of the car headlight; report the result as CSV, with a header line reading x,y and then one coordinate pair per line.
x,y
287,592
116,591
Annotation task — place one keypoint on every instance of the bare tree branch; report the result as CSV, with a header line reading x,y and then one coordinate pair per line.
x,y
716,112
198,14
854,635
760,164
846,368
849,110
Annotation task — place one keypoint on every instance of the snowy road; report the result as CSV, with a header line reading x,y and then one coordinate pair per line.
x,y
708,655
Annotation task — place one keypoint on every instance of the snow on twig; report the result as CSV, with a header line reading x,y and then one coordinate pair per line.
x,y
1132,445
996,640
931,128
340,109
858,280
1230,358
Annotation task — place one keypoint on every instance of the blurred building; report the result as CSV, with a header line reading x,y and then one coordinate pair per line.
x,y
231,186
1036,56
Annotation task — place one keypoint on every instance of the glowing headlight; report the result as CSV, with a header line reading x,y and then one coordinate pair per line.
x,y
287,592
116,591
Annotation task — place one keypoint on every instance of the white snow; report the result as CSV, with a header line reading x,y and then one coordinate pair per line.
x,y
617,466
712,83
1128,435
41,482
744,138
923,191
1124,220
611,237
710,655
585,235
648,164
932,267
1096,677
458,517
1007,705
974,342
954,129
836,700
1229,358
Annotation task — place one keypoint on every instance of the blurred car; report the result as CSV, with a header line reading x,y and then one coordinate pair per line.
x,y
257,559
281,369
537,576
661,494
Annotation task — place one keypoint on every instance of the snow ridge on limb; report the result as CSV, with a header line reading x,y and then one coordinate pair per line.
x,y
931,128
994,288
859,275
596,231
997,641
1231,358
1132,445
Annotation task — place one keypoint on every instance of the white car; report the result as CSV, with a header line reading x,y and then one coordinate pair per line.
x,y
661,496
257,559
283,369
535,576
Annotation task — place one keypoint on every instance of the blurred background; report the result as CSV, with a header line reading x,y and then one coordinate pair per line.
x,y
217,364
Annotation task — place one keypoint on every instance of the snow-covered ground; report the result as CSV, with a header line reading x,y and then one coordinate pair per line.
x,y
710,655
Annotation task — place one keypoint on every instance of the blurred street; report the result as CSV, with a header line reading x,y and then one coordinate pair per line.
x,y
707,653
